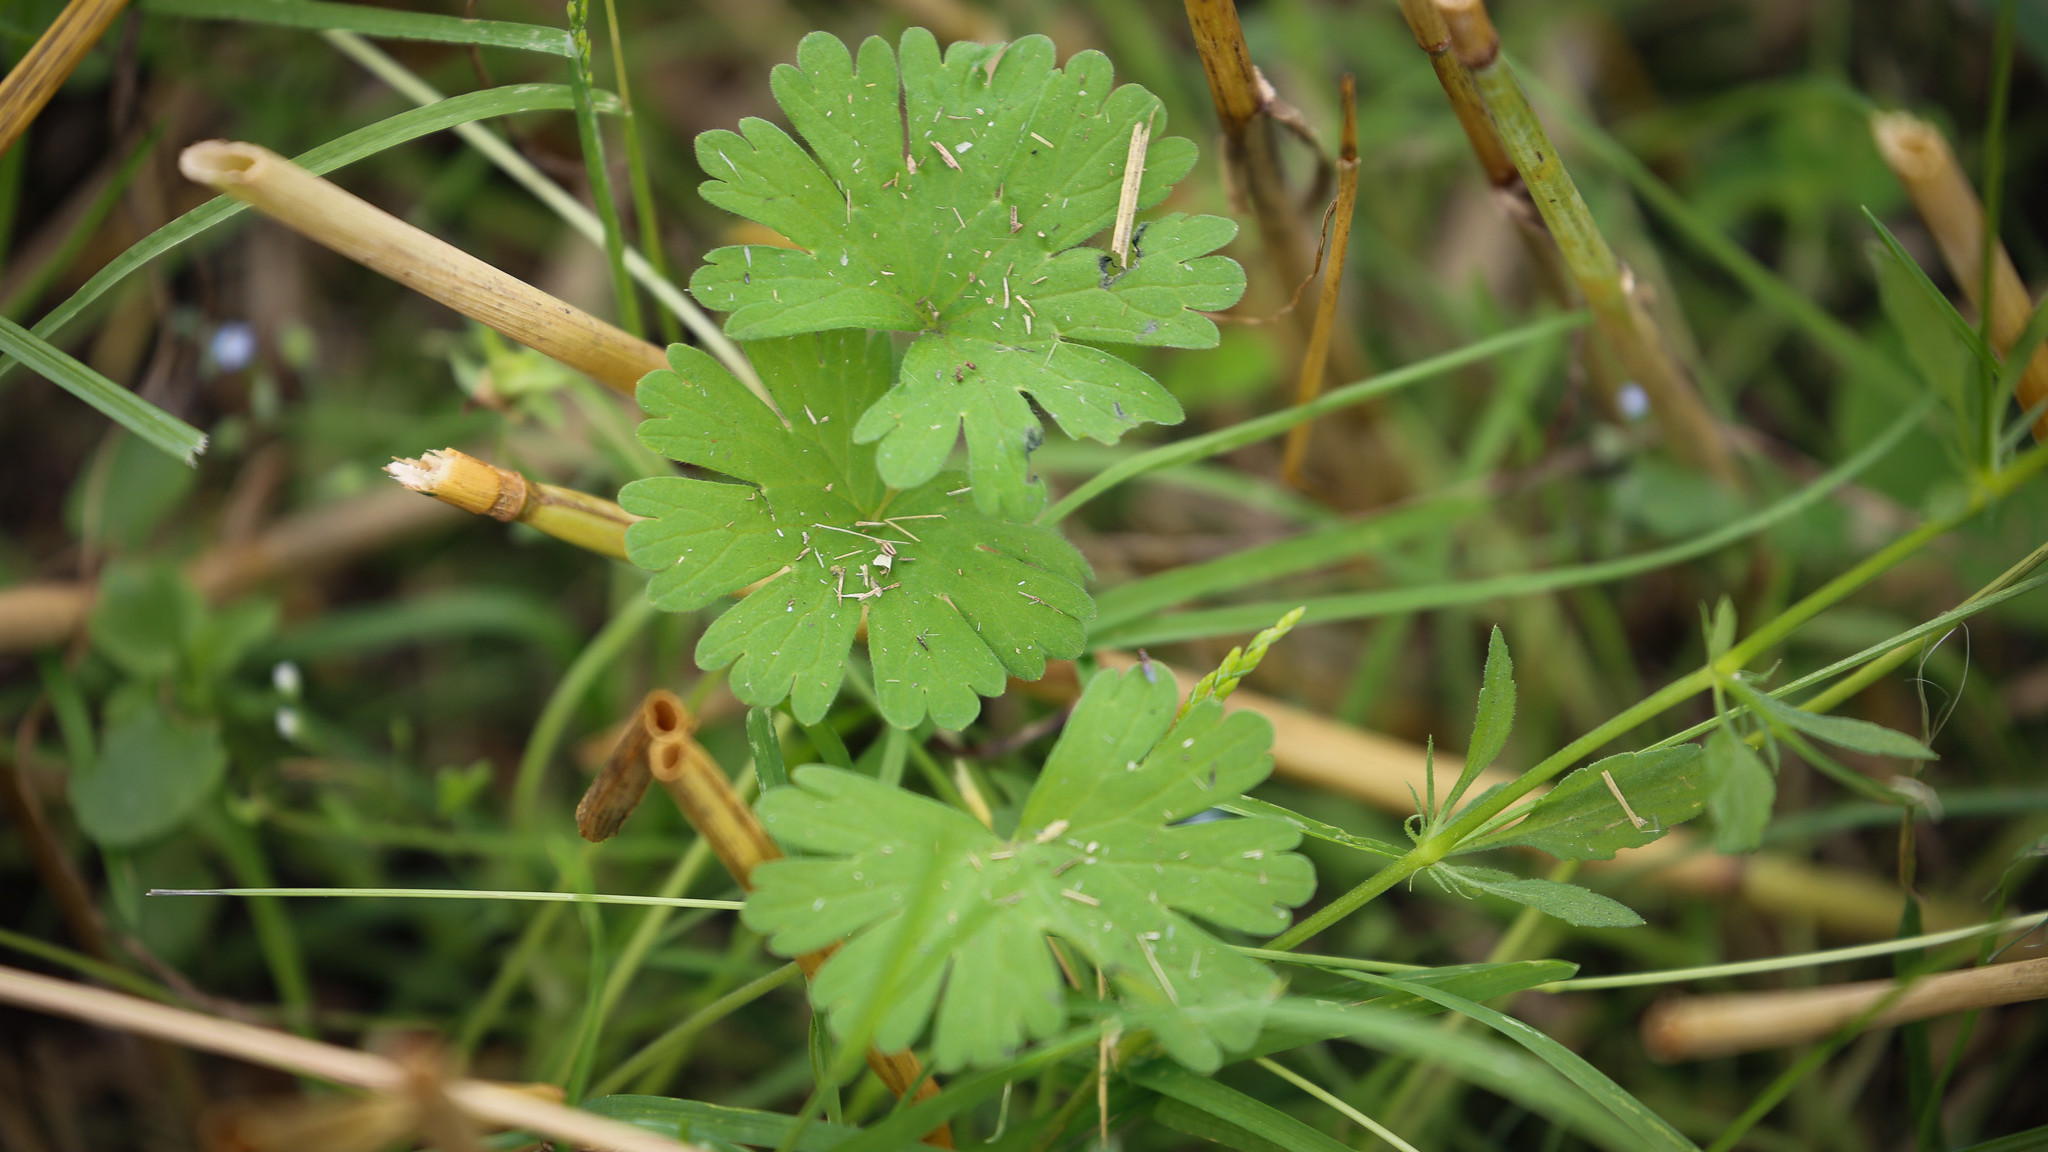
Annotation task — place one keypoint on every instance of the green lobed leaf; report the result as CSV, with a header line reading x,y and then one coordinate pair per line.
x,y
1579,907
169,434
975,240
1841,731
955,600
1741,790
1580,819
155,768
947,920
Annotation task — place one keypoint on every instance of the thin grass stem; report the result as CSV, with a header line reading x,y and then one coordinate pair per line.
x,y
1766,637
591,137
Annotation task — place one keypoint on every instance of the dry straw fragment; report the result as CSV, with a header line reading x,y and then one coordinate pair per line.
x,y
495,1105
1920,157
1697,1027
324,213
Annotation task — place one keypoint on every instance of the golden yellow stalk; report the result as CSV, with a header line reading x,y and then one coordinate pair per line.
x,y
372,237
1315,360
498,1105
457,478
1920,157
1697,1027
49,62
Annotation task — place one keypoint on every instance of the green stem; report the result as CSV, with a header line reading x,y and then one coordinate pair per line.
x,y
274,936
1273,424
681,1033
580,82
642,186
1983,493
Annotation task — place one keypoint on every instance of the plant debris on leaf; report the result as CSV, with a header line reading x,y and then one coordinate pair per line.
x,y
955,600
948,919
954,199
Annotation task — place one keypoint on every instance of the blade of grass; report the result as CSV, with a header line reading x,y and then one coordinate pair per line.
x,y
1481,1062
644,216
1316,1090
384,23
1303,553
1273,424
1650,1128
604,648
125,408
336,153
1232,1107
2015,924
599,174
717,1122
88,224
1360,605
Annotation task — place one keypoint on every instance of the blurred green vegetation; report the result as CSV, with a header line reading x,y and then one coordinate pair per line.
x,y
361,722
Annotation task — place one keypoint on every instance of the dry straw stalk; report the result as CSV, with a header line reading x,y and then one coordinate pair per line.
x,y
39,615
1920,157
497,1105
1697,1027
372,237
49,62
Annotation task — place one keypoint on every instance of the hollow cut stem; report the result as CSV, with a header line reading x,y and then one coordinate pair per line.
x,y
457,478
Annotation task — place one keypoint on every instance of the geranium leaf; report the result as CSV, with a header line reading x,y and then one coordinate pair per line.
x,y
955,600
948,919
974,238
